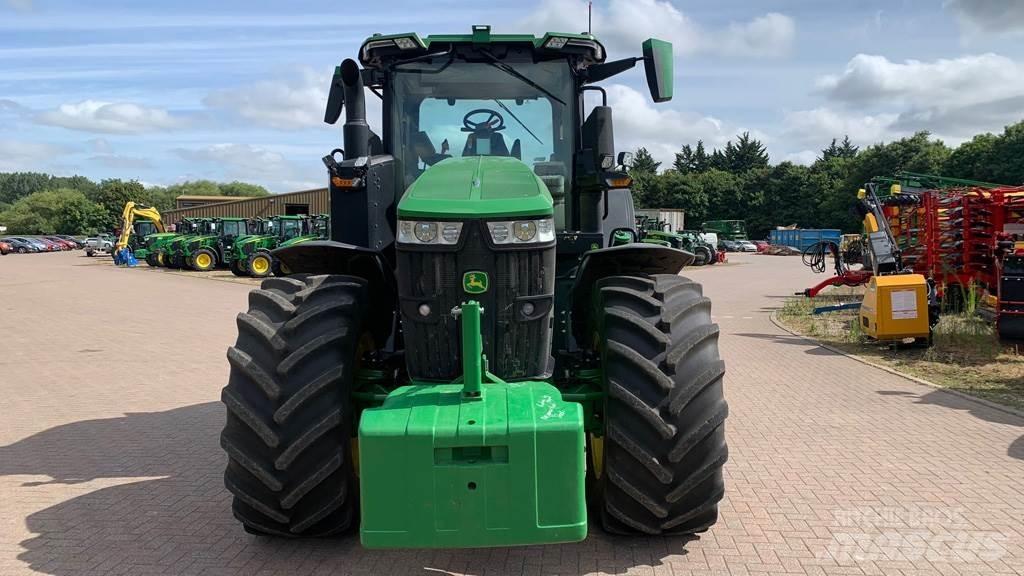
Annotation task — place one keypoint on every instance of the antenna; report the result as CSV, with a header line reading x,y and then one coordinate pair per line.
x,y
590,10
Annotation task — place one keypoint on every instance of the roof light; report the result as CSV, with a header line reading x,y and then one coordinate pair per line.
x,y
406,43
556,42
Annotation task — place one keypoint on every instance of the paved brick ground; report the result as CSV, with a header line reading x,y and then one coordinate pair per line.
x,y
109,461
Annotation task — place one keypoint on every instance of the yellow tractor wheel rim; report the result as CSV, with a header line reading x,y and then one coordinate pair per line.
x,y
203,260
160,258
260,265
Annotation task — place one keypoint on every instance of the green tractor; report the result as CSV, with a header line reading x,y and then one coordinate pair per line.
x,y
156,244
172,252
653,231
469,361
250,255
205,252
316,227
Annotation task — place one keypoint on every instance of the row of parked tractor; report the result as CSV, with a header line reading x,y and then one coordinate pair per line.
x,y
37,244
242,245
708,245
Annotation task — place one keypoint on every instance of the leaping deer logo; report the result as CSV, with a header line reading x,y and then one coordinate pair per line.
x,y
474,282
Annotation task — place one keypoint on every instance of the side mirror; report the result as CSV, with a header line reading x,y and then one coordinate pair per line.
x,y
335,98
658,66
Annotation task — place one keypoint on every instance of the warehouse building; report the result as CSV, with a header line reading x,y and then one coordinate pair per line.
x,y
316,201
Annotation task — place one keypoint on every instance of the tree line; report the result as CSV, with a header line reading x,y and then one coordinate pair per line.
x,y
738,182
36,203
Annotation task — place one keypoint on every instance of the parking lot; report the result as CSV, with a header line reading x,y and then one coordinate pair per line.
x,y
110,464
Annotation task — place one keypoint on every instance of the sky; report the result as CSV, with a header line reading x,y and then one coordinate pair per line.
x,y
232,90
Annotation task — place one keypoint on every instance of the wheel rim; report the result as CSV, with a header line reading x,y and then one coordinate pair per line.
x,y
203,260
260,265
597,454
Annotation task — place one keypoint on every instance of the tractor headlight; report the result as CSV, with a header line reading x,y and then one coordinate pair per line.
x,y
522,231
426,232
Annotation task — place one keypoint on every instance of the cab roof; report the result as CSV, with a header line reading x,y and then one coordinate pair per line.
x,y
381,47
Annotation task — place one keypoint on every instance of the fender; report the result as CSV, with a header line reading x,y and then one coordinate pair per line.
x,y
330,257
637,259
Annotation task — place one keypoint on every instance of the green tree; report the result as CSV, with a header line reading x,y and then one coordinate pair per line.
x,y
237,188
195,188
643,162
113,194
60,211
748,153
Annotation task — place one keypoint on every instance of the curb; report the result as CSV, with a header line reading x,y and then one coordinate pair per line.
x,y
987,403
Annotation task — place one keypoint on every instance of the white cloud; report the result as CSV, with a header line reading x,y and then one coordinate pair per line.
x,y
252,163
287,104
803,157
19,156
989,16
293,102
110,117
627,23
660,129
813,127
943,96
11,107
121,162
871,79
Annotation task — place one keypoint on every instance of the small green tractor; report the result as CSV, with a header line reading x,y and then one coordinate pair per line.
x,y
156,245
317,227
172,252
470,360
207,251
250,255
653,231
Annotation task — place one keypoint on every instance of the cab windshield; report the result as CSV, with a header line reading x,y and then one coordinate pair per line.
x,y
233,227
290,228
450,108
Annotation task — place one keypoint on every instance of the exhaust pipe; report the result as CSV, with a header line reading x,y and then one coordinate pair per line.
x,y
356,131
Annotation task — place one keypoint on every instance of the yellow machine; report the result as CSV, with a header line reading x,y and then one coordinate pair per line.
x,y
897,305
128,215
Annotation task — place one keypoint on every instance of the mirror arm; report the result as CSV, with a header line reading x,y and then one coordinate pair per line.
x,y
599,72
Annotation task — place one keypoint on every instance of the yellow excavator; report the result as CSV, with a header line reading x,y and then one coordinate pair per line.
x,y
128,247
898,305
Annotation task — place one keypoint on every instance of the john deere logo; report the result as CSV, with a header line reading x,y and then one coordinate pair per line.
x,y
474,282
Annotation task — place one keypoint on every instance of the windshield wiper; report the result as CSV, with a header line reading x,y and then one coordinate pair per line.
x,y
497,63
516,118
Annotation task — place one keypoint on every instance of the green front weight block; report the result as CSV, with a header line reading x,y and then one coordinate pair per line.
x,y
478,462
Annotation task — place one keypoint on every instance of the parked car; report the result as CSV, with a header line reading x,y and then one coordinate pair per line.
x,y
761,245
78,243
50,245
5,248
98,244
64,244
728,246
21,245
36,243
746,246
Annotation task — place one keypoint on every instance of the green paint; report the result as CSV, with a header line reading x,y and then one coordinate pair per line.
x,y
477,187
659,67
475,282
438,470
477,463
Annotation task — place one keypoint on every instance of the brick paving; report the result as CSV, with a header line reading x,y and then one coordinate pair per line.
x,y
109,462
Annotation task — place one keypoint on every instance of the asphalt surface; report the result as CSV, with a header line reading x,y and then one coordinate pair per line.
x,y
110,464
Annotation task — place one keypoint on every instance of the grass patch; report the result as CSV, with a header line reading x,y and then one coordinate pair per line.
x,y
966,354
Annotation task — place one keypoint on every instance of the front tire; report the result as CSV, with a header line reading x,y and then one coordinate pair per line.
x,y
702,256
289,415
204,260
664,444
260,264
237,268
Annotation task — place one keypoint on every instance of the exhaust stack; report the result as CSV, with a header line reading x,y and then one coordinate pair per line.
x,y
356,131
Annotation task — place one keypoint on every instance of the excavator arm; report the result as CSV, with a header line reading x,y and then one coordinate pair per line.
x,y
128,215
881,247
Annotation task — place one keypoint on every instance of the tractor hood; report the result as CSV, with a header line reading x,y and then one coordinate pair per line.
x,y
476,187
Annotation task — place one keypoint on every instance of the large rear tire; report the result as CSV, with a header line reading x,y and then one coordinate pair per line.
x,y
702,256
260,264
237,268
289,415
664,445
203,260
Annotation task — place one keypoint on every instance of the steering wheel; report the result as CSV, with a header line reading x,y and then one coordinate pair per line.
x,y
493,122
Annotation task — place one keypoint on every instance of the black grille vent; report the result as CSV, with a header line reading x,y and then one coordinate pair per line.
x,y
517,345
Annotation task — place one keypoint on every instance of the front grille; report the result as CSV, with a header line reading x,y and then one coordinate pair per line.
x,y
517,346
